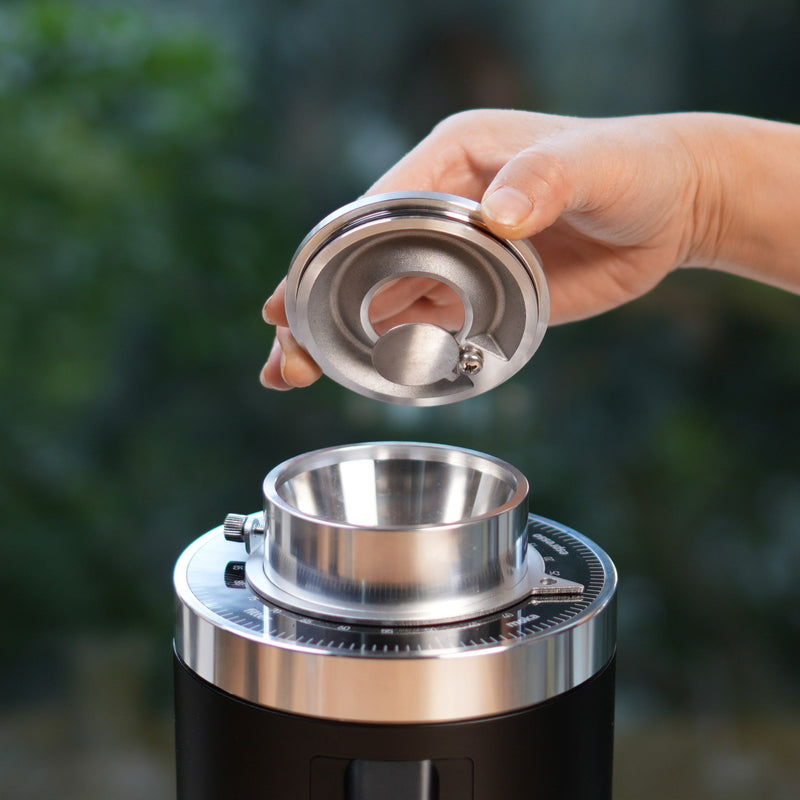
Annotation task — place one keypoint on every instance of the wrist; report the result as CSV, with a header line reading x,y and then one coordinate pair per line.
x,y
708,217
747,196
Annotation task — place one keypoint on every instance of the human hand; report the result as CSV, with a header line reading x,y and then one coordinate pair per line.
x,y
417,299
612,206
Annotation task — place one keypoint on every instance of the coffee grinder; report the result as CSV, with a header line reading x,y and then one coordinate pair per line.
x,y
393,624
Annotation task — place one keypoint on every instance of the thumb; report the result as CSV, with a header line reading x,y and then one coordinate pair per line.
x,y
530,192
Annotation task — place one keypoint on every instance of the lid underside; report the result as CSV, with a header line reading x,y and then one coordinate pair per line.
x,y
364,248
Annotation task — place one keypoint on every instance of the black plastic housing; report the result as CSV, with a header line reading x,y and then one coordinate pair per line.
x,y
557,750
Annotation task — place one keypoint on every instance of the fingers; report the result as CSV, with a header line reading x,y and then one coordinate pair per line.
x,y
297,366
527,169
289,365
531,192
271,375
459,156
524,167
403,293
450,318
608,202
411,173
274,311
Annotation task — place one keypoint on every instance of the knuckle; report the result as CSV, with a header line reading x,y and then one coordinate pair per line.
x,y
457,124
548,168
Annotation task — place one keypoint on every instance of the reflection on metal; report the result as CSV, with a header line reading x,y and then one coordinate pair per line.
x,y
246,528
362,249
397,531
506,660
395,582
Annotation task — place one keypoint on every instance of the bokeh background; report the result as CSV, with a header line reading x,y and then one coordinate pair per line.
x,y
159,163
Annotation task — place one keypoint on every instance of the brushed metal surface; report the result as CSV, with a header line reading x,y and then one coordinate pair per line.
x,y
397,531
357,251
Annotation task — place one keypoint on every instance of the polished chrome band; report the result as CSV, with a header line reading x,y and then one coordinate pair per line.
x,y
442,685
359,249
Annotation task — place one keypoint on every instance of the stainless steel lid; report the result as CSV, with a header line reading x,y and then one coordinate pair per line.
x,y
360,250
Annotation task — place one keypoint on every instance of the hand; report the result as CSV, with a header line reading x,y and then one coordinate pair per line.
x,y
607,203
416,299
612,205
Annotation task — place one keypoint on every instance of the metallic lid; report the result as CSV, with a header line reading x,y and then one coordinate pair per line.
x,y
363,248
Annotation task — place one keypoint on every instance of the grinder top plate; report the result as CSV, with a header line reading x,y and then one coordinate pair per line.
x,y
509,659
394,582
214,571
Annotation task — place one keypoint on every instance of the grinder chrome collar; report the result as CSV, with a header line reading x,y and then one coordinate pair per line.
x,y
356,534
355,252
509,660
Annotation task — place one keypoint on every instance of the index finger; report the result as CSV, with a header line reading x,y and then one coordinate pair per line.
x,y
439,163
274,311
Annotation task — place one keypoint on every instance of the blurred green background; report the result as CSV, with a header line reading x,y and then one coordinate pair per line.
x,y
159,163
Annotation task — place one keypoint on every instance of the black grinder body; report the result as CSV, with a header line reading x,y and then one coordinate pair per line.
x,y
560,749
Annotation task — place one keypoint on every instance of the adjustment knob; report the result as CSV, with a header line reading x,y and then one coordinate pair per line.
x,y
243,528
233,527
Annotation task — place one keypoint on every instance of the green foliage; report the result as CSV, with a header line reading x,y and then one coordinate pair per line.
x,y
157,169
132,239
159,162
110,122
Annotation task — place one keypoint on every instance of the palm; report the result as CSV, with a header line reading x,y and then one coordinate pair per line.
x,y
619,245
588,275
607,203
